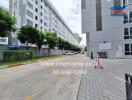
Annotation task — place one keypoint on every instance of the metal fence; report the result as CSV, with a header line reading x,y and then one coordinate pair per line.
x,y
128,79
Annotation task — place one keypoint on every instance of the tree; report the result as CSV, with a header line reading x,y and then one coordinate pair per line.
x,y
28,35
61,43
51,39
68,46
40,40
7,23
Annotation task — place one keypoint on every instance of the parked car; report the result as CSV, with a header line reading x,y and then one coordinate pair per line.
x,y
68,53
75,52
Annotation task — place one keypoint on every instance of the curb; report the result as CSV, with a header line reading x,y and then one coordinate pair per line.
x,y
14,65
4,67
24,63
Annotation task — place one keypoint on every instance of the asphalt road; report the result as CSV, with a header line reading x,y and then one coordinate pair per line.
x,y
60,78
43,80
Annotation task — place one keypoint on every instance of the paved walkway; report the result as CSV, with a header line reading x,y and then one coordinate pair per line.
x,y
105,84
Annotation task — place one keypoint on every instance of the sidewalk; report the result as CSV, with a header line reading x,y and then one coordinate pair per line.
x,y
101,84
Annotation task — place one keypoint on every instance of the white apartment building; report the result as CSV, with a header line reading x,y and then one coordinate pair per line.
x,y
111,36
42,15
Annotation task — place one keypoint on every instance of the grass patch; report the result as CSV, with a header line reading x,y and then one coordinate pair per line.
x,y
29,60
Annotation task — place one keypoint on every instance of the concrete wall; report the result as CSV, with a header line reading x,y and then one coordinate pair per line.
x,y
88,16
112,29
2,47
36,53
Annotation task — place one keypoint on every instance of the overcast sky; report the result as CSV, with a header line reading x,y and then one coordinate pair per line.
x,y
70,10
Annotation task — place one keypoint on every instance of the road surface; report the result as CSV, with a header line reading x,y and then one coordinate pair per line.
x,y
60,79
42,80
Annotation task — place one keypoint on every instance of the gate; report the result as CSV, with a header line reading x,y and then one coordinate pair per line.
x,y
128,79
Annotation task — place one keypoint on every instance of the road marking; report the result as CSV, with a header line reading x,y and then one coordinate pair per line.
x,y
115,76
118,78
35,94
41,90
28,98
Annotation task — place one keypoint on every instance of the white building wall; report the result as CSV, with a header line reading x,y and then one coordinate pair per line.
x,y
112,29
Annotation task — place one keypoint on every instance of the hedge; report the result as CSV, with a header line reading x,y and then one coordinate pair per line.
x,y
16,55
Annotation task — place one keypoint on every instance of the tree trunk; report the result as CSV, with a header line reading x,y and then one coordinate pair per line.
x,y
27,46
10,39
39,48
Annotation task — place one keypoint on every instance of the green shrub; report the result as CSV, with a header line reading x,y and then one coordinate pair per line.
x,y
16,55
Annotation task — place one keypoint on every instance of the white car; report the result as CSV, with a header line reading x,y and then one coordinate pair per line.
x,y
68,53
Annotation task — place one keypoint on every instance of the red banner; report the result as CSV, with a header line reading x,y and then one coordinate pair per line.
x,y
117,11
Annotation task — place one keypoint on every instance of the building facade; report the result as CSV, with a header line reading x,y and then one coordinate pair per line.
x,y
42,15
109,35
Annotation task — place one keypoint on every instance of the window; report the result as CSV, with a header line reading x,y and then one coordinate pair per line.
x,y
128,49
2,39
45,30
29,5
41,7
36,10
45,23
41,21
14,13
129,1
131,48
41,28
15,5
126,2
36,2
98,15
125,18
29,13
41,14
29,22
36,25
36,17
128,33
128,17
